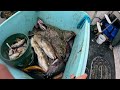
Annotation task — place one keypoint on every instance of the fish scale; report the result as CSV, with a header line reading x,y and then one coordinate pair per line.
x,y
42,60
46,46
58,40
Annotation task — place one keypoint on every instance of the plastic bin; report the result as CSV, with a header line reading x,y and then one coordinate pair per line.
x,y
77,21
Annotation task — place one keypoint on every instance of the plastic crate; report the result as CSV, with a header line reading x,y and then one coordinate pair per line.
x,y
77,21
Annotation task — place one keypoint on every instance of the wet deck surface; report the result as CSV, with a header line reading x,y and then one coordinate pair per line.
x,y
102,51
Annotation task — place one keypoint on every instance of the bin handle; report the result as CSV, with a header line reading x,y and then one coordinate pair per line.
x,y
81,23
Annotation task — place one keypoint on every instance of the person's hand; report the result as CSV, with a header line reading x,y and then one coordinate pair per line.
x,y
84,76
4,72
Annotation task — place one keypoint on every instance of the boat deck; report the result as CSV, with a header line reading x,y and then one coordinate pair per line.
x,y
100,50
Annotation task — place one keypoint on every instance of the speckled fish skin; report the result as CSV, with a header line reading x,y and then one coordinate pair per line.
x,y
56,37
68,35
59,39
53,37
46,46
42,61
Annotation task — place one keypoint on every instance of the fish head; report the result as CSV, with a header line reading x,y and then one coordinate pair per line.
x,y
41,24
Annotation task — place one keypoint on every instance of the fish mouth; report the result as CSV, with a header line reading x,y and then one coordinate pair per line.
x,y
41,24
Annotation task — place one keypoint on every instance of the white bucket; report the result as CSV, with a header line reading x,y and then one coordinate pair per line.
x,y
101,38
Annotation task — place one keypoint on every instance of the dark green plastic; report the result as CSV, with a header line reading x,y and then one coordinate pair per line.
x,y
25,59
